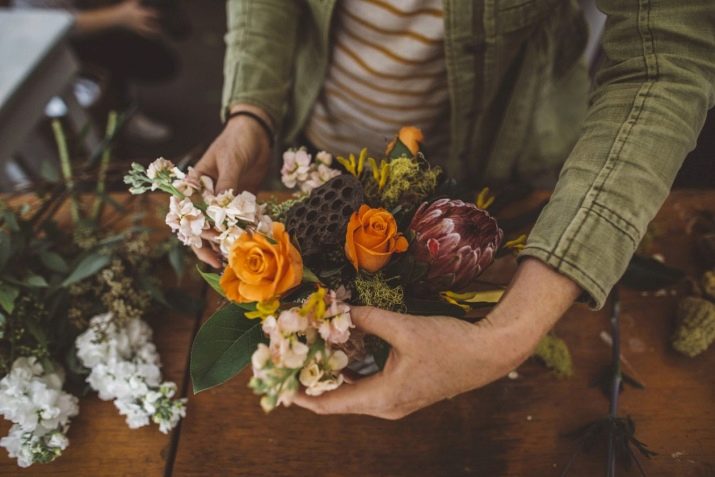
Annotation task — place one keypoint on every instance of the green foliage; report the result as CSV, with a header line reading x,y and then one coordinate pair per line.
x,y
554,352
223,347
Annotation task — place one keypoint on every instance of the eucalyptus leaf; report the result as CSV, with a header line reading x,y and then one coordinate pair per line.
x,y
223,347
87,267
36,281
213,280
54,261
8,295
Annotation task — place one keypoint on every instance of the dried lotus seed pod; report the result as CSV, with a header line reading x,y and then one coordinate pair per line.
x,y
320,220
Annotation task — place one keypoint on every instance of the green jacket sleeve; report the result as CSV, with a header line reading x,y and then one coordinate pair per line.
x,y
260,46
648,106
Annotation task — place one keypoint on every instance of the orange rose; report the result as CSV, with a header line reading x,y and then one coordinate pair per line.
x,y
260,269
372,238
410,136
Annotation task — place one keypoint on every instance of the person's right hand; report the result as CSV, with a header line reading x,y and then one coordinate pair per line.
x,y
134,16
238,159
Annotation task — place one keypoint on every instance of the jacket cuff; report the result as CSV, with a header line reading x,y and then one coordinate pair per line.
x,y
593,249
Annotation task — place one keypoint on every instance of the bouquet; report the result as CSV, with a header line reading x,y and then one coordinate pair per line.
x,y
387,232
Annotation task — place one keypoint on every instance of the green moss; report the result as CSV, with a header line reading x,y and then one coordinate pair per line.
x,y
408,183
555,354
695,330
373,290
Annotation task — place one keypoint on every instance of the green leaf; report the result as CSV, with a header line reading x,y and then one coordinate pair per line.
x,y
309,276
87,267
36,281
223,347
54,261
8,294
400,150
213,280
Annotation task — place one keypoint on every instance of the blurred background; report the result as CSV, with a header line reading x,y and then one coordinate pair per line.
x,y
162,75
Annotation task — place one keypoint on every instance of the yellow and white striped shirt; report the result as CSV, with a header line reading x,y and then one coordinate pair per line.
x,y
387,70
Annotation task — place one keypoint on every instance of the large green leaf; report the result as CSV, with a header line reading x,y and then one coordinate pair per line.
x,y
87,267
223,347
8,294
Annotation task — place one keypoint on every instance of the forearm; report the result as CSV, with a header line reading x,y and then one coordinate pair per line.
x,y
649,104
536,299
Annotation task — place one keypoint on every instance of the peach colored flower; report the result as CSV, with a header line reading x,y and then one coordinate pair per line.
x,y
259,268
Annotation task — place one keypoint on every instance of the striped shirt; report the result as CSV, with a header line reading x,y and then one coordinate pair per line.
x,y
387,70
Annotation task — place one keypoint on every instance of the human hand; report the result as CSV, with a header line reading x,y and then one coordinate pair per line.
x,y
238,159
134,16
437,357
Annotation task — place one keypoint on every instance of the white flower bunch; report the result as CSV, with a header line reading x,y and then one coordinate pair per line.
x,y
195,208
301,350
40,410
124,367
299,170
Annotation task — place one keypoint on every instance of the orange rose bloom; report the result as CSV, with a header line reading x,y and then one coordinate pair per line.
x,y
410,136
372,238
260,269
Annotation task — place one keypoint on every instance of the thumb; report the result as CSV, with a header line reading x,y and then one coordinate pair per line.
x,y
384,324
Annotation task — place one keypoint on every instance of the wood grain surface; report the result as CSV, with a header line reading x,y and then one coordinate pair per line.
x,y
514,427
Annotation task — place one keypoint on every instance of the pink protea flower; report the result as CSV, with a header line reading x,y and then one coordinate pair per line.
x,y
456,240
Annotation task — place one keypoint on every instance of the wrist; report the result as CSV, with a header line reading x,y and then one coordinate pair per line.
x,y
536,298
254,119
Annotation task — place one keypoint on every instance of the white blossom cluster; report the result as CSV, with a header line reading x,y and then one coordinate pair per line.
x,y
299,170
195,208
124,367
301,350
40,410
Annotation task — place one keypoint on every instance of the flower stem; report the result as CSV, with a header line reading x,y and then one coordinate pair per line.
x,y
66,167
104,164
616,383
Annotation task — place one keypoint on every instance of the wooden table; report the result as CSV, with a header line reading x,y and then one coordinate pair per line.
x,y
510,428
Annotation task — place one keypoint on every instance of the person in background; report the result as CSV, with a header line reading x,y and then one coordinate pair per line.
x,y
123,39
502,94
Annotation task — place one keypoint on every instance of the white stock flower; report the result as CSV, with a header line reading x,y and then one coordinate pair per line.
x,y
158,166
124,367
228,237
40,410
310,374
186,220
296,167
324,157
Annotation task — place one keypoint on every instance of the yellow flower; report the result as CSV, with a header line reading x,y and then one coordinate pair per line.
x,y
352,165
484,199
264,309
315,304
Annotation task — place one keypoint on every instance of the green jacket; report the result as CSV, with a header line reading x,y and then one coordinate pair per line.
x,y
519,106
